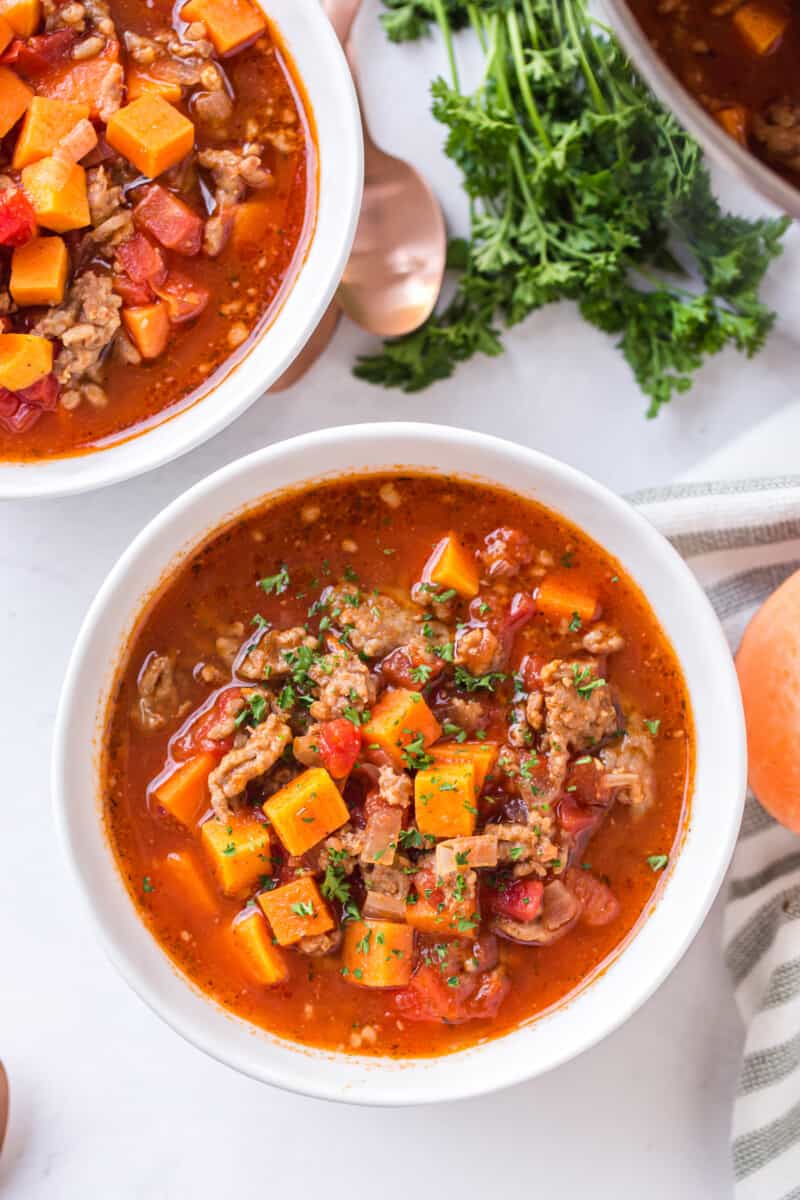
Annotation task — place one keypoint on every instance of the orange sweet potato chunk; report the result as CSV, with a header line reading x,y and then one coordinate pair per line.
x,y
22,15
230,23
39,271
377,954
188,881
444,800
46,123
296,910
482,755
760,25
148,326
139,83
6,33
253,939
24,358
561,600
238,851
59,197
400,717
151,134
306,810
184,793
451,566
15,97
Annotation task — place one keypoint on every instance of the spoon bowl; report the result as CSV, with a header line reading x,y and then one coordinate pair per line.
x,y
5,1104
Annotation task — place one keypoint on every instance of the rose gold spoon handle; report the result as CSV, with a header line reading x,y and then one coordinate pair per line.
x,y
5,1104
393,278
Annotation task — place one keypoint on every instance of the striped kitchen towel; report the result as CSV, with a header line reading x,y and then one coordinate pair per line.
x,y
742,539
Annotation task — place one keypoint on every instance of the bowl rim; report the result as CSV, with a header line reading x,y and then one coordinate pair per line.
x,y
381,1087
720,146
340,176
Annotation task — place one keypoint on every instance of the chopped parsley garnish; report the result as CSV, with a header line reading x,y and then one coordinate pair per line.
x,y
147,884
473,683
304,908
414,754
450,729
584,683
254,712
421,674
657,862
653,726
276,585
575,623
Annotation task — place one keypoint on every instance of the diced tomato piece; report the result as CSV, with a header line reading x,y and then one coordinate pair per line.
x,y
169,220
434,994
141,261
82,81
530,671
521,611
19,411
599,905
582,783
197,737
574,818
184,298
339,746
520,900
34,56
133,294
398,669
17,218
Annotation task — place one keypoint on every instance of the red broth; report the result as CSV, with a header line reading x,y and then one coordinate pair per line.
x,y
579,866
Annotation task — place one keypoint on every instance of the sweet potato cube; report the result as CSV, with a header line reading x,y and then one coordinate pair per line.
x,y
187,880
482,755
24,358
151,134
444,800
139,83
184,793
15,97
238,852
377,954
760,25
39,271
562,600
148,326
22,15
401,719
254,941
451,566
296,910
230,23
6,33
735,120
46,123
306,810
60,202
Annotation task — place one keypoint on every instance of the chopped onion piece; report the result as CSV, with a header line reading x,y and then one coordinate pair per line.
x,y
380,837
381,906
458,854
630,781
559,906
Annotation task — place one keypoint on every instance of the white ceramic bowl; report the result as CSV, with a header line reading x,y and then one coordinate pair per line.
x,y
322,67
686,893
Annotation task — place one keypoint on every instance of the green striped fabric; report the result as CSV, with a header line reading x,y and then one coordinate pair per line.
x,y
742,540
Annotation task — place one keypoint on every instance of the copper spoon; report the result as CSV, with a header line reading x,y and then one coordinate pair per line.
x,y
394,276
314,347
4,1104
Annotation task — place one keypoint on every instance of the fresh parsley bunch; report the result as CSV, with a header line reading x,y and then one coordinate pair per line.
x,y
583,188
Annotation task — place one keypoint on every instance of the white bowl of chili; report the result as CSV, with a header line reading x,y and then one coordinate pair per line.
x,y
706,735
251,307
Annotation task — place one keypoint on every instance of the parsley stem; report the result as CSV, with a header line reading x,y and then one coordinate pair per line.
x,y
588,74
447,33
515,41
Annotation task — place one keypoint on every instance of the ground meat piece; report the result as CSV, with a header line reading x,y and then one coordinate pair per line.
x,y
519,732
629,772
505,551
110,92
342,850
306,747
261,751
534,710
778,131
379,623
394,788
467,714
86,322
234,171
529,849
603,639
344,682
319,944
106,197
579,710
460,888
478,650
159,699
266,660
389,881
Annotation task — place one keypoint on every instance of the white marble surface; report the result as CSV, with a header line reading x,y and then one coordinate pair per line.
x,y
106,1101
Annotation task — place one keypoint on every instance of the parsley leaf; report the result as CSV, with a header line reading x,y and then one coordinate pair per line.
x,y
472,683
276,585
